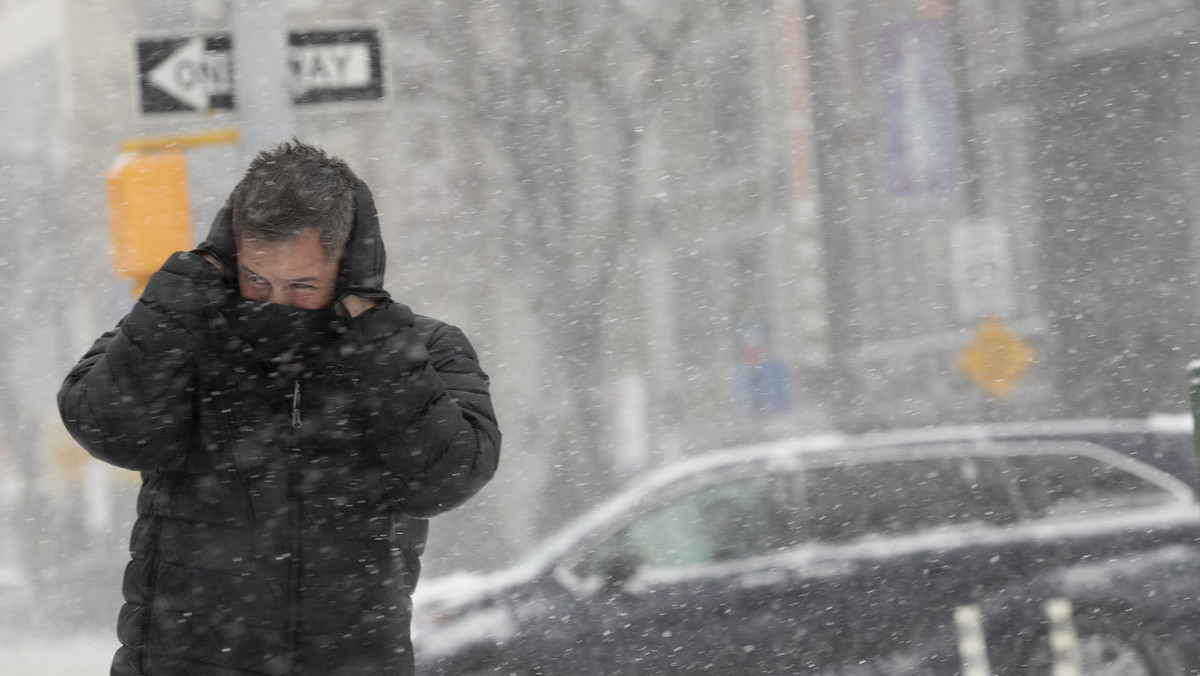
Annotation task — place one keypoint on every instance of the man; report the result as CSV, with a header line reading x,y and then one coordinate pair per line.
x,y
294,426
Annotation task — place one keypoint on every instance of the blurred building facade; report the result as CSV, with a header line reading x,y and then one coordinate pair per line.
x,y
1117,160
664,232
1028,162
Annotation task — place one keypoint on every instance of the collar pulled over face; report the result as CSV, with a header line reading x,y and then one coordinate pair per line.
x,y
279,333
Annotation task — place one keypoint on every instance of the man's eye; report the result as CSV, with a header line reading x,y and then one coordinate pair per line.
x,y
304,287
255,279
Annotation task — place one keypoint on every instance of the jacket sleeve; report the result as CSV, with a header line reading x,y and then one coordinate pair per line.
x,y
129,400
429,410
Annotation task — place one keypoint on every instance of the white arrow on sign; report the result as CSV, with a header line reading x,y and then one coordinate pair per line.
x,y
183,75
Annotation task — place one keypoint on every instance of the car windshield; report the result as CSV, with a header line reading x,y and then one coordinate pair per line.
x,y
720,522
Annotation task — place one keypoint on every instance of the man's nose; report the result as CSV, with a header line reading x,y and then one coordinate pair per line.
x,y
267,295
279,297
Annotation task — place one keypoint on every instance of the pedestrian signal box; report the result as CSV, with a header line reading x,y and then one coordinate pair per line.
x,y
148,211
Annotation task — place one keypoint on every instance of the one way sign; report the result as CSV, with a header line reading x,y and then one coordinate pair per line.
x,y
195,73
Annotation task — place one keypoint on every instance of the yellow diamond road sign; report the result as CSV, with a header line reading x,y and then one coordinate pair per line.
x,y
995,358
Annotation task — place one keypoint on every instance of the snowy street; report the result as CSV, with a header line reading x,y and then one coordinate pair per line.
x,y
77,655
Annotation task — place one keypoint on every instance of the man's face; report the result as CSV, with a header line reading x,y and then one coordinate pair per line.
x,y
290,272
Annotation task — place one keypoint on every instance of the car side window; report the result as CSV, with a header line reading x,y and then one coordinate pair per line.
x,y
719,522
830,503
846,502
1055,485
988,495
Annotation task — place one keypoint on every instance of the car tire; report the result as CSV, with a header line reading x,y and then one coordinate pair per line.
x,y
1112,643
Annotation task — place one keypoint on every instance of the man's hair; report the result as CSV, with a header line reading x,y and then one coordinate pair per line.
x,y
294,187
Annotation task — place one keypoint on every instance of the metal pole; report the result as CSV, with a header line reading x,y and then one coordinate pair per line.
x,y
1194,390
260,74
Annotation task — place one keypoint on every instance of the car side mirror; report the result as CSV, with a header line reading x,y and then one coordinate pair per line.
x,y
617,570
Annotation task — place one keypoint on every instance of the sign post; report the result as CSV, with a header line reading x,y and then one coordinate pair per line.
x,y
147,185
1194,388
259,75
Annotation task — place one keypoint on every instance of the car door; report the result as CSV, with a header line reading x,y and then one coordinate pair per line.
x,y
805,626
926,533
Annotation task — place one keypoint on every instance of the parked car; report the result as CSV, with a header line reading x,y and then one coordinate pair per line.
x,y
941,551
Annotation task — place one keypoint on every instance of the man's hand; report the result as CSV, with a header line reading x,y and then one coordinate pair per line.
x,y
353,306
360,274
219,247
182,290
211,259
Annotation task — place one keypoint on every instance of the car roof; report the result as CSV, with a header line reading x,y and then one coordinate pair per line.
x,y
785,449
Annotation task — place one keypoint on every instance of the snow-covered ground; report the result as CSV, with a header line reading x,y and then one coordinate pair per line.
x,y
73,655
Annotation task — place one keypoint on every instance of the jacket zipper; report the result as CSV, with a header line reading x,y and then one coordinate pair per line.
x,y
296,534
296,422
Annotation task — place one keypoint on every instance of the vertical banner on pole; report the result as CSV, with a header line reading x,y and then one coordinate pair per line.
x,y
1194,384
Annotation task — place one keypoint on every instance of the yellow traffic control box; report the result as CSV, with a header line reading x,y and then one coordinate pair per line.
x,y
149,215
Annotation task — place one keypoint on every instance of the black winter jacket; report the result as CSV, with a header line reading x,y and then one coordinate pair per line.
x,y
289,460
